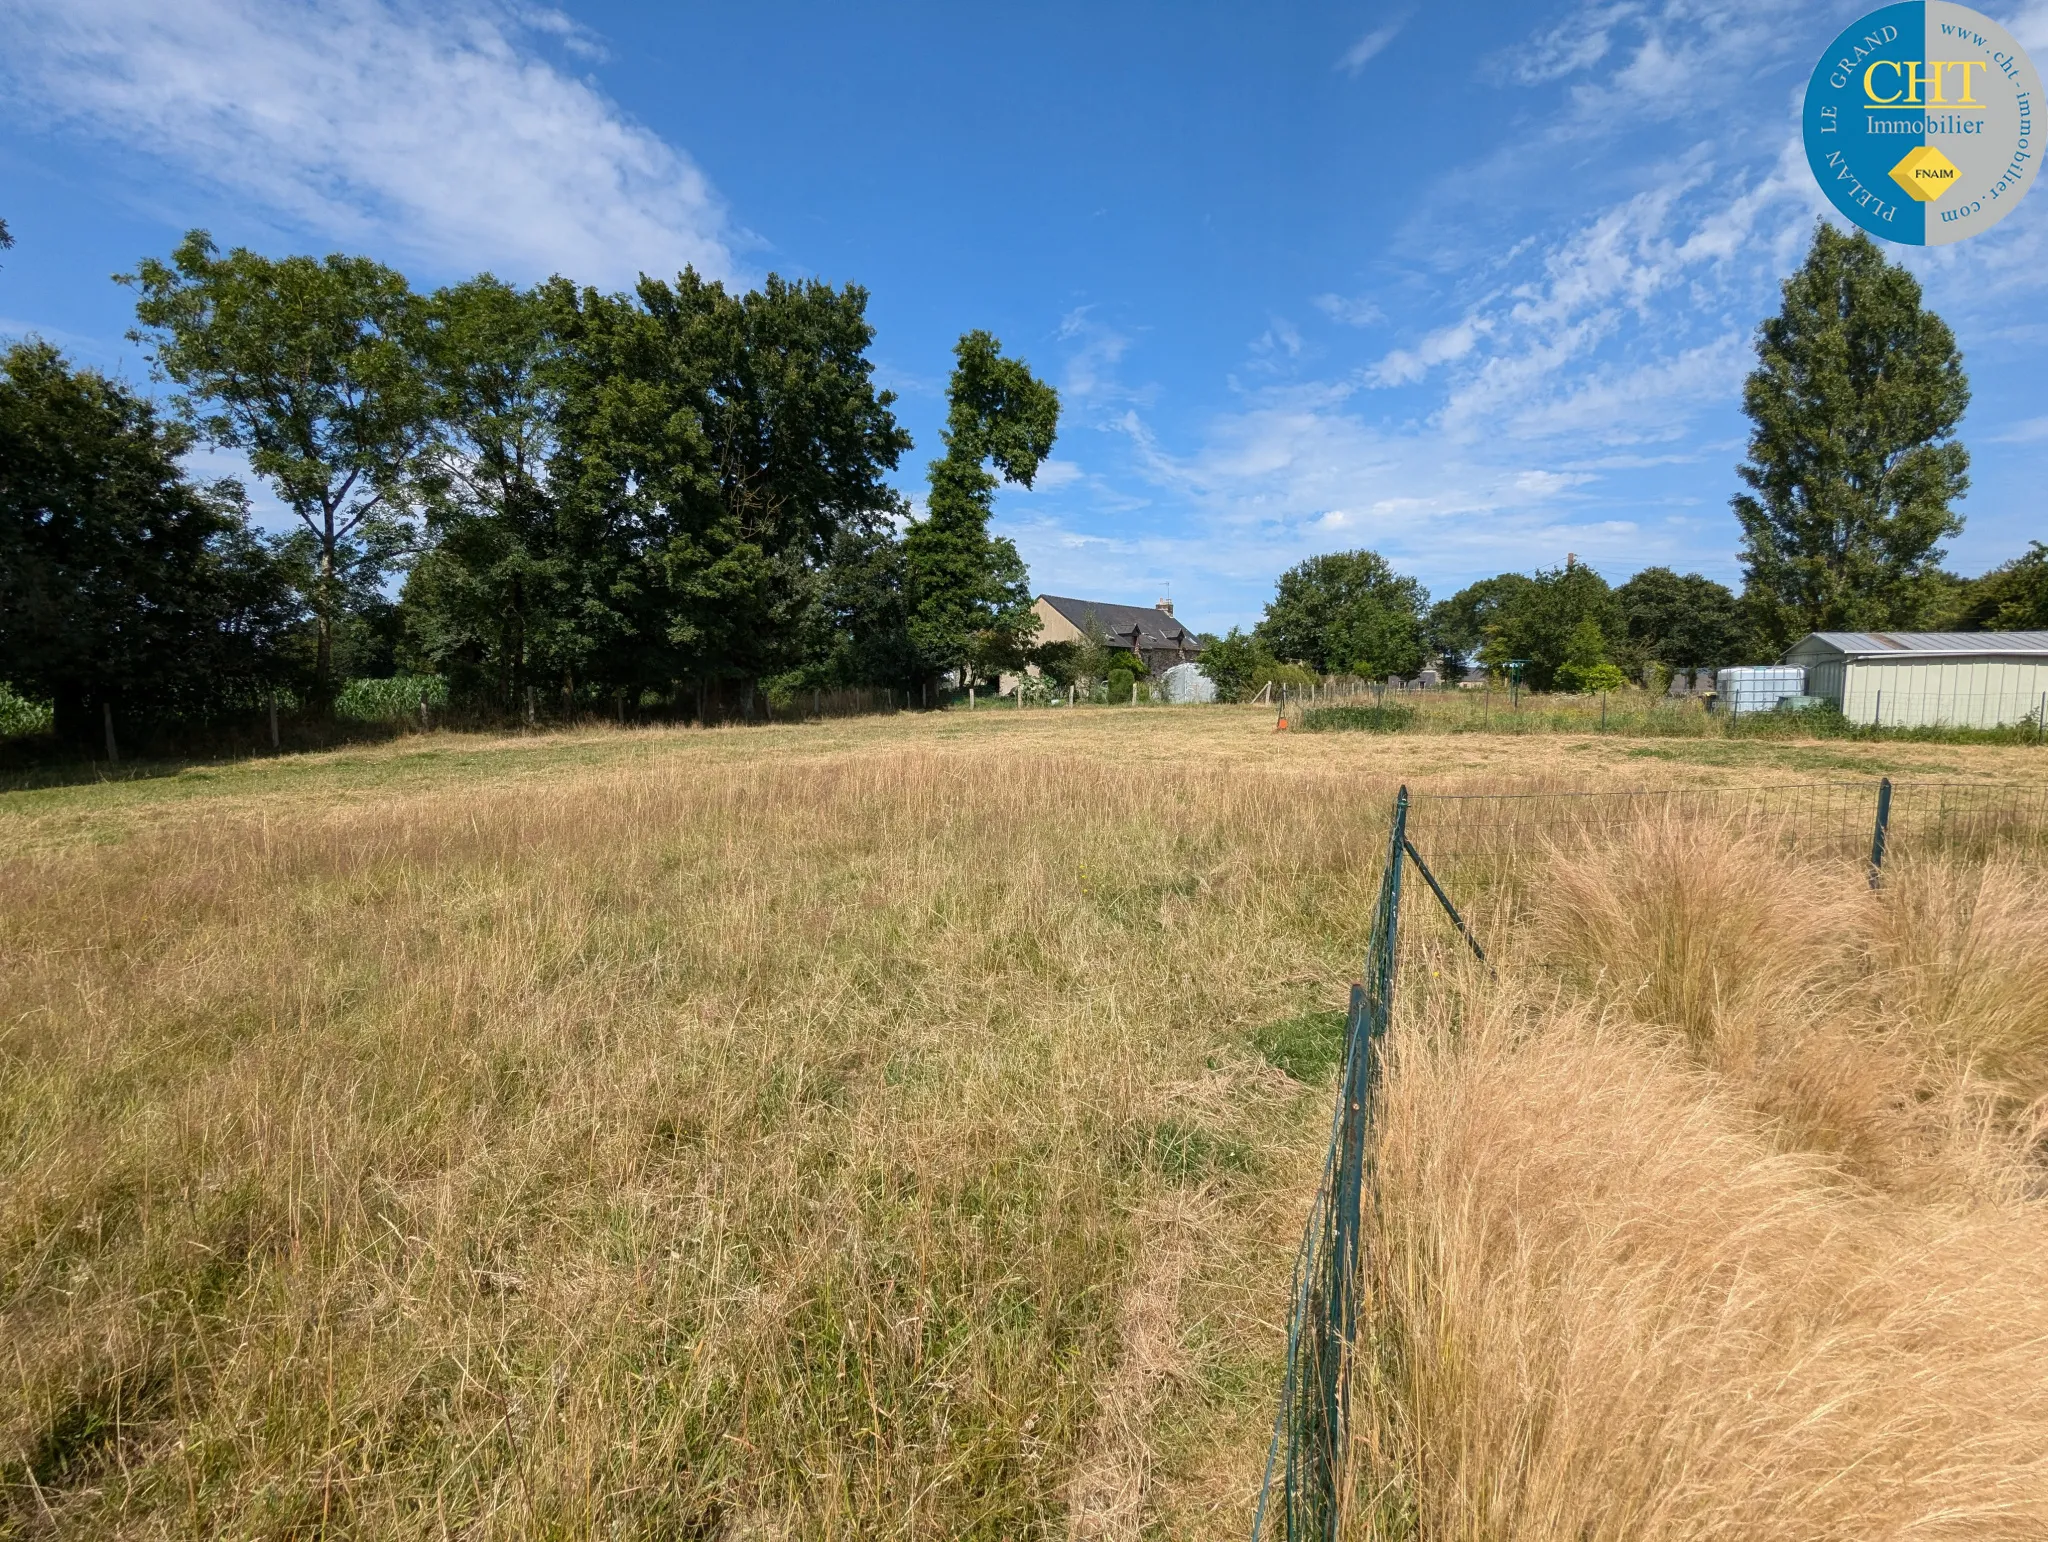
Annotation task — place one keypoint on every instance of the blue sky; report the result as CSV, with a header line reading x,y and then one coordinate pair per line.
x,y
1470,284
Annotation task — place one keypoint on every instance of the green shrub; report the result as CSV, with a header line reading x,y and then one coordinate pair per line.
x,y
1290,677
1381,720
1590,677
372,701
1120,683
21,717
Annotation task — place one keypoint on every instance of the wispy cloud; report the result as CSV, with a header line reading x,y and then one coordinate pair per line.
x,y
1351,311
2027,431
1371,46
1094,350
1405,366
1577,43
443,134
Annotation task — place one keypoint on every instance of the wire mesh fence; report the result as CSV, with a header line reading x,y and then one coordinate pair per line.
x,y
1302,1491
1475,841
1471,834
1998,709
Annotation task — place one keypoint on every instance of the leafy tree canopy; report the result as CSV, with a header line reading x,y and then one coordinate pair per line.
x,y
970,604
1231,661
314,368
1853,467
1534,619
1346,613
1586,666
122,585
492,603
1683,621
2010,598
1457,629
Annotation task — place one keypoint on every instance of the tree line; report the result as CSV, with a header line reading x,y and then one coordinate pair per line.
x,y
1852,475
674,497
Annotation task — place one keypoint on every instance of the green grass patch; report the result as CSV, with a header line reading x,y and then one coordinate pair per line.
x,y
1378,720
1185,1152
1307,1047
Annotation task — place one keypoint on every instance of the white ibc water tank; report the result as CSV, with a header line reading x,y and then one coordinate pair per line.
x,y
1186,683
1758,687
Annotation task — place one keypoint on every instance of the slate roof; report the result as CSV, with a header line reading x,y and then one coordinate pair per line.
x,y
1953,644
1154,628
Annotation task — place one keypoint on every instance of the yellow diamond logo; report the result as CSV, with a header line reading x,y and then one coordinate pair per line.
x,y
1925,173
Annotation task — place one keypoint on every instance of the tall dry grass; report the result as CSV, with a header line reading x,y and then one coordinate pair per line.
x,y
859,1131
1719,1215
713,1146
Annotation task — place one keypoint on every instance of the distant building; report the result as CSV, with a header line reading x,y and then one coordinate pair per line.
x,y
1911,679
1150,632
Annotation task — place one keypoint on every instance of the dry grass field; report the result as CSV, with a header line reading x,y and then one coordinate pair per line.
x,y
885,1128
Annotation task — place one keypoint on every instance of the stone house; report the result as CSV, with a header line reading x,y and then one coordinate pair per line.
x,y
1151,632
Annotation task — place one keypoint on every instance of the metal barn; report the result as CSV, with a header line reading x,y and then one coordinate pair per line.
x,y
1914,679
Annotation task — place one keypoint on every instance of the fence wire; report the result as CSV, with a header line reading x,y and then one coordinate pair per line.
x,y
1462,832
1301,1497
1481,838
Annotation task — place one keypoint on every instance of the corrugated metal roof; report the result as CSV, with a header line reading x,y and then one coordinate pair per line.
x,y
1884,644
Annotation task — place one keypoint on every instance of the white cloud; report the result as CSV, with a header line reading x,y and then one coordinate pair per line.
x,y
1281,338
1371,46
1405,366
1652,401
2028,431
441,133
1548,484
1091,373
1351,312
1054,474
1567,48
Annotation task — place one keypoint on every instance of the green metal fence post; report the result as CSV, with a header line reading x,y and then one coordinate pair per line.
x,y
1880,833
1305,1462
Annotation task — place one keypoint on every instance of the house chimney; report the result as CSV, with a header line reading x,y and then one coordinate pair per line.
x,y
1165,605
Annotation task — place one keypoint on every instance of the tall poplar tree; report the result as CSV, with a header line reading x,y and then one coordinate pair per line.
x,y
1853,465
970,603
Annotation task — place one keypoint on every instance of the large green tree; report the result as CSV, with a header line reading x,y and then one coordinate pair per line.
x,y
2012,597
1457,629
490,603
1540,625
970,606
866,611
314,369
712,448
126,592
1536,619
1685,621
1346,613
1853,467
